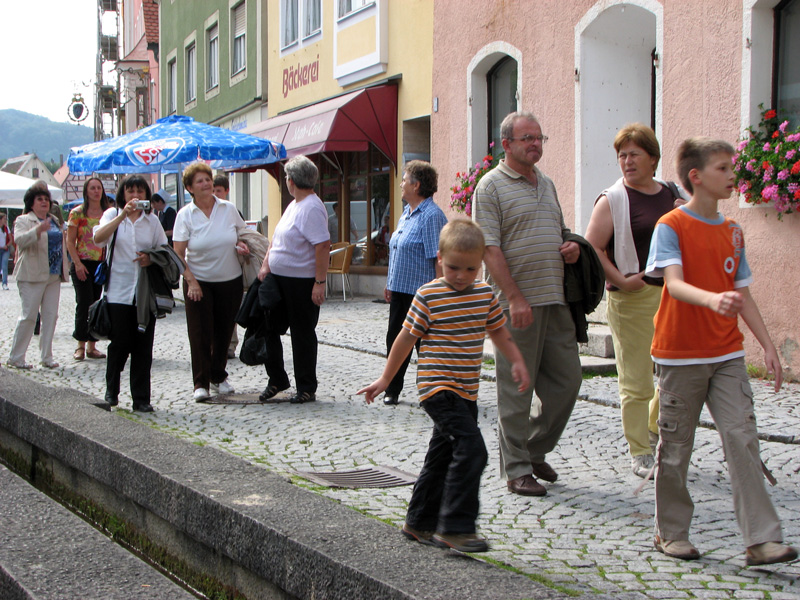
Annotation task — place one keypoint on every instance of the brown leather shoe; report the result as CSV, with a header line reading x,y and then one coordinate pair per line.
x,y
544,471
526,486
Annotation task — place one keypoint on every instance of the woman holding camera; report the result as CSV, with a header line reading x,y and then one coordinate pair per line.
x,y
136,229
206,236
86,256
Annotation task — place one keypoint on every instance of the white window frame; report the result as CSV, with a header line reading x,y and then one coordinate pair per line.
x,y
305,33
190,73
309,8
290,10
172,82
238,68
212,56
345,8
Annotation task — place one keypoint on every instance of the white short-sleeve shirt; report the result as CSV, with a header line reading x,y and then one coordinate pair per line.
x,y
132,236
211,249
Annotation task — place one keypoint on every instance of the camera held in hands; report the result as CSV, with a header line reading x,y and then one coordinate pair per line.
x,y
142,205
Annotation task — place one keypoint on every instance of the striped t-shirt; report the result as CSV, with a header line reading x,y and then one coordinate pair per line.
x,y
526,223
452,326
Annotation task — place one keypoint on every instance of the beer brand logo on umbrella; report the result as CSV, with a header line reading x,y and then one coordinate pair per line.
x,y
155,152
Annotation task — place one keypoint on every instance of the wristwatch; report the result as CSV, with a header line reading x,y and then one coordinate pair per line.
x,y
319,282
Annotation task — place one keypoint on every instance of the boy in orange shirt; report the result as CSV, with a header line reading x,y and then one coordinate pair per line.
x,y
699,357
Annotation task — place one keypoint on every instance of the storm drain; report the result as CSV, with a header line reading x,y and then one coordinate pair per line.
x,y
377,476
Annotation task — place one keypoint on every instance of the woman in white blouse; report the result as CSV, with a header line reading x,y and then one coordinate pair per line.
x,y
137,229
206,236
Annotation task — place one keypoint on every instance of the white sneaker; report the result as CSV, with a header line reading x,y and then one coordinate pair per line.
x,y
641,465
222,388
201,395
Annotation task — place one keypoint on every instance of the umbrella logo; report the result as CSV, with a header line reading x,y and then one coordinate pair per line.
x,y
155,152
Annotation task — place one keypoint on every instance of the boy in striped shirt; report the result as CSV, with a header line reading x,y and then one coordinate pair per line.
x,y
451,316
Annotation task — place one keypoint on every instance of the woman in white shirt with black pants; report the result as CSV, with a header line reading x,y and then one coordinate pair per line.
x,y
206,236
137,230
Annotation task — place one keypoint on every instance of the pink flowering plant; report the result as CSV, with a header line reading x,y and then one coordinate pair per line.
x,y
466,182
767,165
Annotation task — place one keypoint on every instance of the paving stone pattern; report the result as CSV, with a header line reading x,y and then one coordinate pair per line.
x,y
590,534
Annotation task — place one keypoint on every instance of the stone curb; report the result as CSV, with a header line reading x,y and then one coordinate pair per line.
x,y
227,516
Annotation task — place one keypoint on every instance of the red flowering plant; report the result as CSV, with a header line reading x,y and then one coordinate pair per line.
x,y
767,164
466,182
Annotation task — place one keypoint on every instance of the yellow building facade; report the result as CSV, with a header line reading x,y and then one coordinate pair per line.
x,y
349,86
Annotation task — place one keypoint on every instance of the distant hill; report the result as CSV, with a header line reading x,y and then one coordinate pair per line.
x,y
22,132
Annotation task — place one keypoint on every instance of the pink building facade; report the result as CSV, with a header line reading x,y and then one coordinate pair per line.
x,y
588,67
139,64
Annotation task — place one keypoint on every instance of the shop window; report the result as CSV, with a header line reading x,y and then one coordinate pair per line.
x,y
501,85
786,64
356,190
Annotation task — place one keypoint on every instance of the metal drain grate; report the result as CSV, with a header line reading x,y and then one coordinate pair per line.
x,y
377,476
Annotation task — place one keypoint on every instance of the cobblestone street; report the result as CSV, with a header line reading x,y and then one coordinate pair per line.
x,y
590,534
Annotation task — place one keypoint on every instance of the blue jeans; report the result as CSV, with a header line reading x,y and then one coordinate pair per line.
x,y
4,264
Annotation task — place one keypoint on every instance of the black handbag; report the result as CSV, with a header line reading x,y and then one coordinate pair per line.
x,y
100,319
99,316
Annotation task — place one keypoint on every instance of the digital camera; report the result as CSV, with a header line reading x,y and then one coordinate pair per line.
x,y
142,205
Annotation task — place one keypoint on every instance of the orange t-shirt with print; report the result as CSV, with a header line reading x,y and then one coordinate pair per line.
x,y
710,255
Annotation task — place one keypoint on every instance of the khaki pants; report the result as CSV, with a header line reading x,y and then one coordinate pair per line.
x,y
551,355
726,389
38,297
630,317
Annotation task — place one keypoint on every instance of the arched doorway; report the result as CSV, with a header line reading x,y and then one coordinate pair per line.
x,y
494,77
618,82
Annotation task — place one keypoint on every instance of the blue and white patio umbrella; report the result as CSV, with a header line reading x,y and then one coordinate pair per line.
x,y
169,145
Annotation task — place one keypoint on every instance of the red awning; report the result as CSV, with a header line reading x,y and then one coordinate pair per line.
x,y
347,123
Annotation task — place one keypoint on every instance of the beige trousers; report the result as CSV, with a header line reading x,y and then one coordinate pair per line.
x,y
37,297
726,389
630,317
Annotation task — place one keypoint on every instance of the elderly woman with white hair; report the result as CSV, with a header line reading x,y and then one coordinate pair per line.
x,y
298,260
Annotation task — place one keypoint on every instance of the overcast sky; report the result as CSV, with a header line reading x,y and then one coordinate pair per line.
x,y
48,49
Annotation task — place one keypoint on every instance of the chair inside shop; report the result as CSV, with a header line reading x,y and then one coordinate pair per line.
x,y
340,259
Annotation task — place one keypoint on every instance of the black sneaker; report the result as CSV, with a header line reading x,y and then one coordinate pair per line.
x,y
143,407
302,397
111,399
390,399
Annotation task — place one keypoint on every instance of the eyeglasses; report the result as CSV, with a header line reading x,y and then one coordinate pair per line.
x,y
527,139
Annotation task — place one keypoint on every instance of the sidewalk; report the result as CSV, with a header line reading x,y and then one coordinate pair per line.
x,y
590,534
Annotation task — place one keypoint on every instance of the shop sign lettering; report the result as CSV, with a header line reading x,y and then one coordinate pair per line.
x,y
295,77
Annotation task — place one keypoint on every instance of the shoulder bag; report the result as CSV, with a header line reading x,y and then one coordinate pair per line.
x,y
99,315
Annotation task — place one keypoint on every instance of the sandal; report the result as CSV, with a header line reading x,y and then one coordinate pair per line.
x,y
270,392
79,354
95,354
